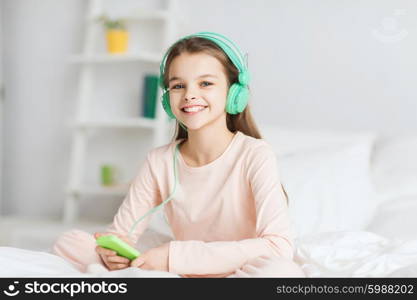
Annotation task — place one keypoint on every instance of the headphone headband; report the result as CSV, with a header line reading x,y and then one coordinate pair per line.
x,y
230,48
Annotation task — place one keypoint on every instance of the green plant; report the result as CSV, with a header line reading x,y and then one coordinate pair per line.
x,y
109,23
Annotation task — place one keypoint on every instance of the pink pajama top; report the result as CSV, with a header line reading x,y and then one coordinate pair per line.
x,y
222,214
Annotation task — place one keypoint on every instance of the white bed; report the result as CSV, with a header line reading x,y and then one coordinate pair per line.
x,y
352,199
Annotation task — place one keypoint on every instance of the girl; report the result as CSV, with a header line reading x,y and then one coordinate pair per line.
x,y
229,213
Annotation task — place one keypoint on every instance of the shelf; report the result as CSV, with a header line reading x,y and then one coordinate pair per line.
x,y
119,190
122,123
115,58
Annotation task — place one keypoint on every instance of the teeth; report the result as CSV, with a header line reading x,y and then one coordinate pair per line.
x,y
194,108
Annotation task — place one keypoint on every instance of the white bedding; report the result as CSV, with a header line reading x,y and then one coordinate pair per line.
x,y
343,228
356,254
17,262
331,254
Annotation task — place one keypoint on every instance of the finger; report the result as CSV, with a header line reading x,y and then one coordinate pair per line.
x,y
137,262
104,251
99,234
145,266
118,259
98,249
104,259
116,266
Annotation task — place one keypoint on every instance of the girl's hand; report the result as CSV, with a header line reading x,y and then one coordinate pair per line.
x,y
153,259
109,257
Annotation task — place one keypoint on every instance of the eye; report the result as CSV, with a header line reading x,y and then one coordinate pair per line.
x,y
206,83
177,86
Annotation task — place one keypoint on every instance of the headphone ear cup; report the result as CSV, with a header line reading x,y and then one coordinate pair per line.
x,y
237,99
166,105
243,97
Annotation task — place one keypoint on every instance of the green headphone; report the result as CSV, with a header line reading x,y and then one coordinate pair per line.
x,y
238,94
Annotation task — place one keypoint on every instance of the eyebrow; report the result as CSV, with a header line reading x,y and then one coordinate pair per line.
x,y
201,76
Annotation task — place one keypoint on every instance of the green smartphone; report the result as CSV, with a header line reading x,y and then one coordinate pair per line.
x,y
122,248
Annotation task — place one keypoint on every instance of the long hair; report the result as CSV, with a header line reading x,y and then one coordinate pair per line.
x,y
243,121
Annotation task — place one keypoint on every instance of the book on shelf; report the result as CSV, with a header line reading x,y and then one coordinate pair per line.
x,y
149,95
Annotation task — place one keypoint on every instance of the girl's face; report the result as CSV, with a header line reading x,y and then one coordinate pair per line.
x,y
197,81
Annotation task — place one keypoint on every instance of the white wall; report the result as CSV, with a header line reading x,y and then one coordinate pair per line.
x,y
38,38
323,63
315,64
1,108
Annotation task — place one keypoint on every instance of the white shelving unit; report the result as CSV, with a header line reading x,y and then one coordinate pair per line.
x,y
160,127
107,58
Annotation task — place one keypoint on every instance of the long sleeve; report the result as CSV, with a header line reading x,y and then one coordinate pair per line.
x,y
273,232
141,197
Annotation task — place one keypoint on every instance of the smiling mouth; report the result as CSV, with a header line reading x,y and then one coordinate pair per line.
x,y
194,110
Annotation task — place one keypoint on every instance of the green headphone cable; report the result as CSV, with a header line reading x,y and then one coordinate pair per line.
x,y
132,228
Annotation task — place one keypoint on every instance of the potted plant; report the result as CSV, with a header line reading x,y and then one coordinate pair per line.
x,y
116,34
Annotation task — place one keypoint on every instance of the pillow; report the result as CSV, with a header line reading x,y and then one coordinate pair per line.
x,y
330,188
287,140
394,166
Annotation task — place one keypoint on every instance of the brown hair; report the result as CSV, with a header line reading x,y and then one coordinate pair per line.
x,y
243,121
240,122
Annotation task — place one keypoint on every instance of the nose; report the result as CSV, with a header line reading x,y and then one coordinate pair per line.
x,y
188,98
190,94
